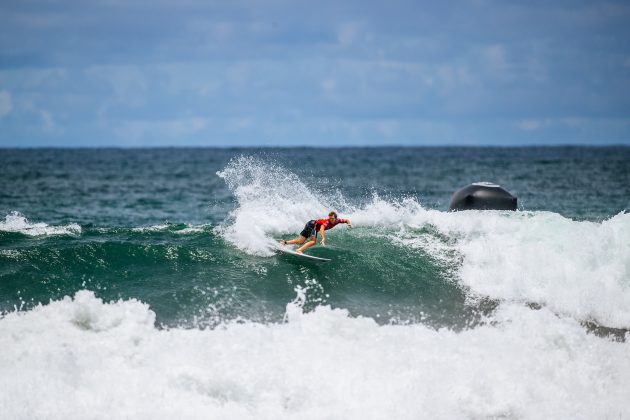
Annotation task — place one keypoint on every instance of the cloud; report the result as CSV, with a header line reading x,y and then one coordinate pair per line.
x,y
127,82
328,85
48,124
6,105
531,125
570,123
304,72
495,61
137,132
348,33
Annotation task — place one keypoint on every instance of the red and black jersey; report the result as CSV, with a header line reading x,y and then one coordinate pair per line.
x,y
326,223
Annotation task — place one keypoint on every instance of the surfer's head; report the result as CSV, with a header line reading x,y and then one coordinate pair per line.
x,y
332,216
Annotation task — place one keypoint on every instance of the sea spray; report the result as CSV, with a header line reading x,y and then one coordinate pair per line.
x,y
271,200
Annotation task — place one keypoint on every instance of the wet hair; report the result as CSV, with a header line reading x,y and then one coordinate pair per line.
x,y
332,213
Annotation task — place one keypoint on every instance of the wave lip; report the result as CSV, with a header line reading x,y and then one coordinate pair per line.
x,y
16,222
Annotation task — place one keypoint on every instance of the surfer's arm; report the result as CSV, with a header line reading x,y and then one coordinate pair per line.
x,y
349,223
321,231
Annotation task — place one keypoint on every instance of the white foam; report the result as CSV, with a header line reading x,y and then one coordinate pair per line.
x,y
153,228
16,222
192,229
82,358
579,268
166,227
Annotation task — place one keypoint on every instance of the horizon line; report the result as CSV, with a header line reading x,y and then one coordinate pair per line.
x,y
377,146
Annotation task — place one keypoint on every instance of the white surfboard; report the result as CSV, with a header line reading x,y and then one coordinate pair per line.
x,y
286,250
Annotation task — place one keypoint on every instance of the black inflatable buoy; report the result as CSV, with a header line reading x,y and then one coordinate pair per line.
x,y
482,196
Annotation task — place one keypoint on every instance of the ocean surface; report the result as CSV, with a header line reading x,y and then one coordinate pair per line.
x,y
143,284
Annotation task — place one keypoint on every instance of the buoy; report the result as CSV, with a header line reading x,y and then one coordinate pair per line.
x,y
482,196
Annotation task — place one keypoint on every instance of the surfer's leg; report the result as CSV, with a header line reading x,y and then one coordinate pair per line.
x,y
307,245
299,240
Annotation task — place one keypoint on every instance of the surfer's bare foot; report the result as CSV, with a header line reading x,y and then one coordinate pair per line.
x,y
299,252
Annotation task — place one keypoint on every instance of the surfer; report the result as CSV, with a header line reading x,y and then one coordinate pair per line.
x,y
312,227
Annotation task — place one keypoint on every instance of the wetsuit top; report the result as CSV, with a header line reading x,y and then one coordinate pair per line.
x,y
326,223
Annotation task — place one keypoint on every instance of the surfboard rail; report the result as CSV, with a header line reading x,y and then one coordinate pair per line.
x,y
289,251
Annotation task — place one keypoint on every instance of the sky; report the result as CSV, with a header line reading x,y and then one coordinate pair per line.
x,y
139,73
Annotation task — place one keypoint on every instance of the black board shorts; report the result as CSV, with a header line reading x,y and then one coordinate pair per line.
x,y
309,229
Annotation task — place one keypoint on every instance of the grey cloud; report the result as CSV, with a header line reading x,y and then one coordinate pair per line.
x,y
234,71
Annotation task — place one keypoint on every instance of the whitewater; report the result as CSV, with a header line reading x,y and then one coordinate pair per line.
x,y
82,358
422,313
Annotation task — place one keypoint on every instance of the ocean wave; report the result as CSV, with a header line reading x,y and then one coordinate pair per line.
x,y
580,268
67,360
16,222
